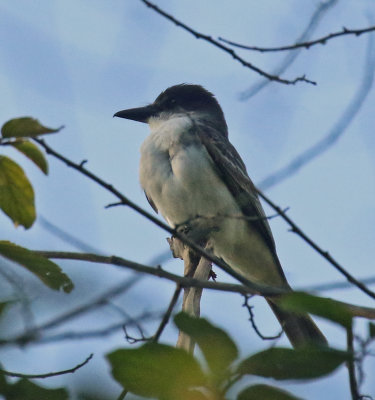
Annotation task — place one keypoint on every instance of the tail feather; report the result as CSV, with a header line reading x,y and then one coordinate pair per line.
x,y
300,329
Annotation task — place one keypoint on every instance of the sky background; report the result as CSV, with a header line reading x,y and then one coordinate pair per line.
x,y
76,63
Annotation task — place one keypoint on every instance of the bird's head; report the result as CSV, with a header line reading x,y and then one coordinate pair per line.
x,y
193,100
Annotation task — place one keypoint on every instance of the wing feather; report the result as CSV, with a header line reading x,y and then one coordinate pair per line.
x,y
233,171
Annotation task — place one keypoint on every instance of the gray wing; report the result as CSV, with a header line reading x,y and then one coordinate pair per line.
x,y
150,201
233,171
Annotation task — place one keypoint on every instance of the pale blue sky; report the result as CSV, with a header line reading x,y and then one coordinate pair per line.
x,y
77,62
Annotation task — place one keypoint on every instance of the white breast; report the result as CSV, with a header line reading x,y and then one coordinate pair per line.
x,y
178,174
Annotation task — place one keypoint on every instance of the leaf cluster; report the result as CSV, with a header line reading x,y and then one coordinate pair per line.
x,y
16,191
164,372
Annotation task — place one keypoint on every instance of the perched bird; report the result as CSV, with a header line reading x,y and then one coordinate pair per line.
x,y
189,169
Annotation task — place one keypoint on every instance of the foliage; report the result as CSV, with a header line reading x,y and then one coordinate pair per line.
x,y
26,390
16,192
158,370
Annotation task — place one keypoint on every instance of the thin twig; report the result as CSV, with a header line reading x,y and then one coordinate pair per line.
x,y
323,253
334,285
351,364
317,149
89,334
32,334
226,49
49,374
323,40
132,340
168,313
254,325
316,17
122,395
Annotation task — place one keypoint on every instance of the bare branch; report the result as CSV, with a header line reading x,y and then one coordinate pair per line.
x,y
323,40
226,49
323,253
31,335
291,57
253,324
49,374
350,364
65,236
265,291
255,288
168,313
337,130
146,214
90,334
335,285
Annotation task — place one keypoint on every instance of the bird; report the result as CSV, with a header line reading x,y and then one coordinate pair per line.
x,y
190,171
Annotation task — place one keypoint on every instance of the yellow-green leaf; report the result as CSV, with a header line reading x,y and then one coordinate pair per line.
x,y
47,271
25,127
27,390
256,392
156,370
218,348
31,151
321,306
304,363
16,193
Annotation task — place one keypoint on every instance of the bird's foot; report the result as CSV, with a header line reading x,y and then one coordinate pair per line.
x,y
198,229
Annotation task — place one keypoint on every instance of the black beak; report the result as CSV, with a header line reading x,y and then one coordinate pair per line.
x,y
140,114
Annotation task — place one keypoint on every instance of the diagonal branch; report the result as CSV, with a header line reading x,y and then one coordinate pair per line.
x,y
127,202
323,253
226,49
202,252
291,57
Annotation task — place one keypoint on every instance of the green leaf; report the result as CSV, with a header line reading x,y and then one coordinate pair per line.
x,y
25,127
321,306
371,330
304,363
26,390
16,193
156,370
47,271
257,392
31,151
217,347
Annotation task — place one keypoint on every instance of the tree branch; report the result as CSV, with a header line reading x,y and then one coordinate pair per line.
x,y
226,49
249,309
127,202
255,288
323,40
316,17
352,109
265,291
168,313
351,365
49,374
295,229
32,334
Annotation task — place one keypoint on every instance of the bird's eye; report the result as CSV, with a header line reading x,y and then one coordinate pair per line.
x,y
172,102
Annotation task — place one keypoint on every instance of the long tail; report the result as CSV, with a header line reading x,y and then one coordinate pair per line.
x,y
300,329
